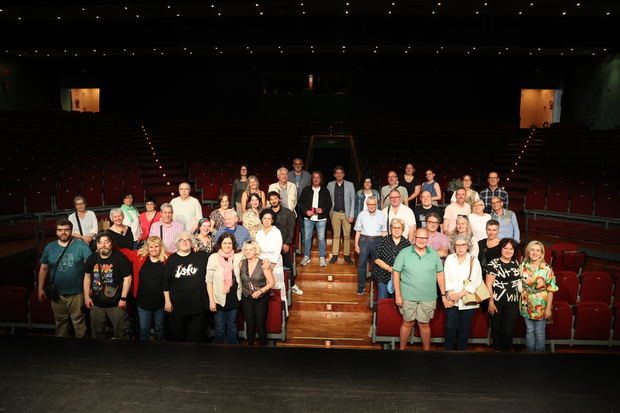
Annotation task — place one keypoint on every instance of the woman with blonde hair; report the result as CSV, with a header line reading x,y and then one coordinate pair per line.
x,y
148,285
478,219
256,281
251,216
252,188
463,228
537,288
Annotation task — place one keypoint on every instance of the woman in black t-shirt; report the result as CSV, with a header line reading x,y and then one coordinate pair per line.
x,y
488,248
412,184
256,280
148,286
503,276
186,289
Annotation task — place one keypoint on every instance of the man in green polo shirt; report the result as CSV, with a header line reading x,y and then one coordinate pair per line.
x,y
417,271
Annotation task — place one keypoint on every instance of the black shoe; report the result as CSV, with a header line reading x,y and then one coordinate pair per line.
x,y
361,292
348,260
333,259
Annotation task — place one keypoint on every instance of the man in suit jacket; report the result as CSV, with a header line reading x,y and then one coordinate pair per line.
x,y
315,203
342,213
287,190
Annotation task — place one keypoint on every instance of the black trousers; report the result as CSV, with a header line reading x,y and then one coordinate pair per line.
x,y
255,312
286,262
189,327
503,325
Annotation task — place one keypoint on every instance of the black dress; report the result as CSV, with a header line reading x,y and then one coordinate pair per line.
x,y
122,240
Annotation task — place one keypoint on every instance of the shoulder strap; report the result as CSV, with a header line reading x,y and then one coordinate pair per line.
x,y
58,260
387,217
161,231
471,266
77,218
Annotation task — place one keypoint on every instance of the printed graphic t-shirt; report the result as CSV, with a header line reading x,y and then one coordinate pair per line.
x,y
110,271
69,274
185,279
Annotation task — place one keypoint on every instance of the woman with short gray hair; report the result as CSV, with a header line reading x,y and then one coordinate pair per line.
x,y
460,267
121,234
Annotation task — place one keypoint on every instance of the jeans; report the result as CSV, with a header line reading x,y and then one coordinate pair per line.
x,y
503,325
226,326
146,318
309,226
458,324
368,249
535,335
382,290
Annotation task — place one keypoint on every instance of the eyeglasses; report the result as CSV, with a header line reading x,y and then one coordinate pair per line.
x,y
63,229
184,240
423,238
395,197
373,204
460,245
493,177
432,222
297,163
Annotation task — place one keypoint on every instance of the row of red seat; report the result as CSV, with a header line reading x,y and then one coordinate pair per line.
x,y
558,200
591,323
591,286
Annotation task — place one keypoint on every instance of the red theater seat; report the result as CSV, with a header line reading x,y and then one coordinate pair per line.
x,y
13,306
568,284
41,314
388,319
617,323
596,286
479,332
437,324
582,203
275,317
592,322
607,206
13,203
535,199
558,201
561,328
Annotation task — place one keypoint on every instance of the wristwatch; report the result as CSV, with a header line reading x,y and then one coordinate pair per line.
x,y
123,298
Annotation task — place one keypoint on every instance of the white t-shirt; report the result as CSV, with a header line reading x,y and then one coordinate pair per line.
x,y
89,223
452,211
405,213
479,225
188,212
315,204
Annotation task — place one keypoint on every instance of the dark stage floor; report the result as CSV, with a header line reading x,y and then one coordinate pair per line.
x,y
45,374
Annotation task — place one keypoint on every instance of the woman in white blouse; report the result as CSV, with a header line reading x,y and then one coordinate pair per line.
x,y
460,267
84,222
269,239
478,220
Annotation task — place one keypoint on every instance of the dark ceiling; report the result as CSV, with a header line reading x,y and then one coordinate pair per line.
x,y
501,27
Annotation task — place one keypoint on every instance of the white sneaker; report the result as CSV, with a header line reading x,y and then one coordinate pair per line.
x,y
322,262
305,260
296,290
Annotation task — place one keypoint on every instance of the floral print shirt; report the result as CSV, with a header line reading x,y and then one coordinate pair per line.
x,y
536,285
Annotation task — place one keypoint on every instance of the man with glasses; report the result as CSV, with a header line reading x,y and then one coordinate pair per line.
x,y
508,224
493,190
454,210
393,185
63,262
396,209
436,240
167,229
370,226
422,211
417,272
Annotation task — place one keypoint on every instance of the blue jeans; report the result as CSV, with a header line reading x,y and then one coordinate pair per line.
x,y
382,290
226,326
535,335
368,252
458,324
309,226
146,318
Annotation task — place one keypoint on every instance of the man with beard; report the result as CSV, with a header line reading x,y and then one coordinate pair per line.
x,y
107,280
64,260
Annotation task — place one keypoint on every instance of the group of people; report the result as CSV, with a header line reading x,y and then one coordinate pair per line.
x,y
176,261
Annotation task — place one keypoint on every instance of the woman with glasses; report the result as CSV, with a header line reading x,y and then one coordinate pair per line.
x,y
84,222
471,195
185,290
388,248
459,267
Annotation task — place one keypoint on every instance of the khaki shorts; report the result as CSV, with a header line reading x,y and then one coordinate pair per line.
x,y
421,311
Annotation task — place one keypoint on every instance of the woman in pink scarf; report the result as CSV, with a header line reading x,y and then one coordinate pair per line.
x,y
224,288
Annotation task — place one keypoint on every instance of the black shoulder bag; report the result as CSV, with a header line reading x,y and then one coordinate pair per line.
x,y
50,288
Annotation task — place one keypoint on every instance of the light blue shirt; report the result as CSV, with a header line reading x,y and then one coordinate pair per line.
x,y
508,225
371,225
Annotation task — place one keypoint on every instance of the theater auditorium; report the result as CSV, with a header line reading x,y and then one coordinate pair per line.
x,y
326,205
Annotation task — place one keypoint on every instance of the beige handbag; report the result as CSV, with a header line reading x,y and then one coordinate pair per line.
x,y
481,293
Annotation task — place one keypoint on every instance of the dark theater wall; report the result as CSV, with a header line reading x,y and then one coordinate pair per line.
x,y
24,85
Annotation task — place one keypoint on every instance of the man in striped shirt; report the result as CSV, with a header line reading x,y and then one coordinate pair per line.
x,y
167,229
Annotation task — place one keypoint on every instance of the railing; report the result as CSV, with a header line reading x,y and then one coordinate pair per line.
x,y
566,215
